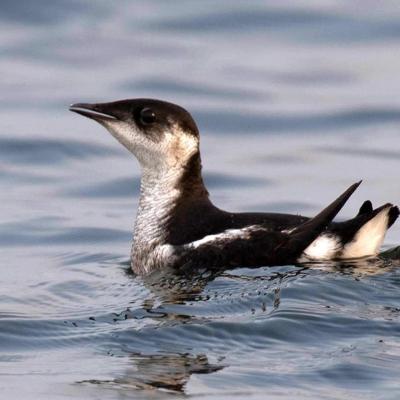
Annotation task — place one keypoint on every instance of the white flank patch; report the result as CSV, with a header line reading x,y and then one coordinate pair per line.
x,y
165,251
324,247
229,234
369,238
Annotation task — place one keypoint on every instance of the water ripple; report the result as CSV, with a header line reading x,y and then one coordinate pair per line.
x,y
49,151
167,87
235,123
74,320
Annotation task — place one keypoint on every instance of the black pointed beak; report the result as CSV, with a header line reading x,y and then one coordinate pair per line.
x,y
98,112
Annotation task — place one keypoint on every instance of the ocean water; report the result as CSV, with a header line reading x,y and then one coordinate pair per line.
x,y
295,100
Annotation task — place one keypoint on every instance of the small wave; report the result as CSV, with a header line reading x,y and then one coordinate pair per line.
x,y
49,151
237,122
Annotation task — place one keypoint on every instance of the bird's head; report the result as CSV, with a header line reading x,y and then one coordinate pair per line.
x,y
160,134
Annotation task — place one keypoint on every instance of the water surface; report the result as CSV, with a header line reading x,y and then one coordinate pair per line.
x,y
295,101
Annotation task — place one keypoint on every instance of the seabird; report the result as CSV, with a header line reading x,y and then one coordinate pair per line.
x,y
177,225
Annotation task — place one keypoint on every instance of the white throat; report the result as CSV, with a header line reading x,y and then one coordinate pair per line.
x,y
158,195
163,162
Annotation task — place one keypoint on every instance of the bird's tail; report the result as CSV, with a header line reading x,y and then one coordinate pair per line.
x,y
364,235
303,235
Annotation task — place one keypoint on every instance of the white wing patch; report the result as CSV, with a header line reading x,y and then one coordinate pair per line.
x,y
369,238
229,234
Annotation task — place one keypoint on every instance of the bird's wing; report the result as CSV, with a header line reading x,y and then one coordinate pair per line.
x,y
256,245
303,235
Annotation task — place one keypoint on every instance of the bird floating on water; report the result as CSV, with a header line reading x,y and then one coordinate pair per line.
x,y
177,225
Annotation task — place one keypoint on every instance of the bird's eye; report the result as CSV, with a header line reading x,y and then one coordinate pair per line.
x,y
147,116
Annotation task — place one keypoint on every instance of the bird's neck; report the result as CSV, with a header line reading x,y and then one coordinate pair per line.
x,y
162,195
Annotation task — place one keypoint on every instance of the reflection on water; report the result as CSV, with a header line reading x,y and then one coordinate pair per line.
x,y
295,101
162,372
171,372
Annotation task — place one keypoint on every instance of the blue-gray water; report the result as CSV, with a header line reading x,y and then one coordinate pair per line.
x,y
295,100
